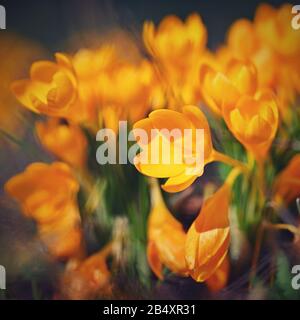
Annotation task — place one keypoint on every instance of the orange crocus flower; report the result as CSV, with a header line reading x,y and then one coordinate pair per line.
x,y
255,50
89,65
221,88
219,279
180,172
174,39
271,41
208,237
254,121
113,88
66,141
166,237
51,89
127,92
87,279
168,43
47,193
251,115
63,236
287,183
274,28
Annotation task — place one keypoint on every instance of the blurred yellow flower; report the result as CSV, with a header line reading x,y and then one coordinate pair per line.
x,y
166,237
63,236
115,82
220,89
287,183
251,115
89,65
51,89
172,40
112,88
66,141
128,91
273,46
207,240
87,279
274,28
47,193
253,49
254,121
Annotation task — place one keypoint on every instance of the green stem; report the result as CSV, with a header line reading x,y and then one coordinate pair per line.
x,y
217,156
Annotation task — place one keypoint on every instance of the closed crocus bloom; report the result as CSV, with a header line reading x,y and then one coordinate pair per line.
x,y
47,193
287,183
254,49
89,65
274,27
271,41
239,31
174,39
166,237
208,237
224,88
66,141
219,279
180,172
254,121
168,43
51,88
87,279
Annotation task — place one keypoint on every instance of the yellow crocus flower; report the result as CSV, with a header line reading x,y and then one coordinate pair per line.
x,y
180,171
208,237
274,28
254,121
166,237
51,88
221,88
47,194
177,47
66,141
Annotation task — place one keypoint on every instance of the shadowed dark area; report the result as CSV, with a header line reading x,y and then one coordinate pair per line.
x,y
52,21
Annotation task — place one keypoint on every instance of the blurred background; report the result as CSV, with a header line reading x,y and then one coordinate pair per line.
x,y
51,22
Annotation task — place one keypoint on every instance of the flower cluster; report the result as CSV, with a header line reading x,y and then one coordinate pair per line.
x,y
245,93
